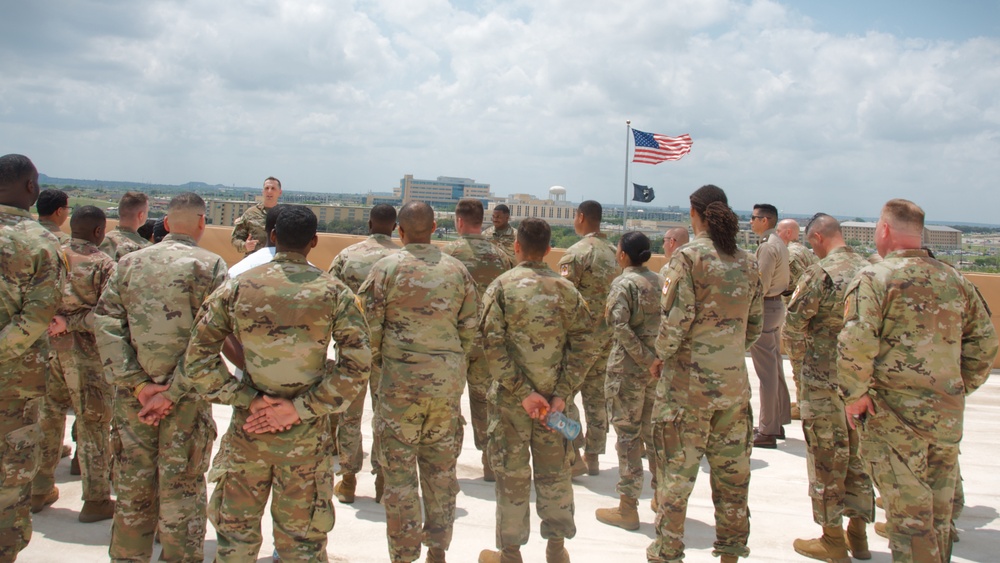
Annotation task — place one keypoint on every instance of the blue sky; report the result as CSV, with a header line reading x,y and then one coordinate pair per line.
x,y
812,106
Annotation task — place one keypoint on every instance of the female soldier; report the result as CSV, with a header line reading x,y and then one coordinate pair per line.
x,y
712,313
633,313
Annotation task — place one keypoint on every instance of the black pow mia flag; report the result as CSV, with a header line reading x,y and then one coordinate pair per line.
x,y
642,193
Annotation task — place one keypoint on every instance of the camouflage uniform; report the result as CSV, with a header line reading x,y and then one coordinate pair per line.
x,y
799,260
838,482
504,239
122,241
421,308
917,339
352,266
712,313
252,222
32,271
485,261
76,378
287,314
633,313
56,230
143,322
591,265
535,327
775,403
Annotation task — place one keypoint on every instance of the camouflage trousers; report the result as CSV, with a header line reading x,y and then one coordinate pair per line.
x,y
420,439
19,458
347,429
917,480
479,386
159,476
75,379
300,488
630,405
838,483
521,450
725,438
594,439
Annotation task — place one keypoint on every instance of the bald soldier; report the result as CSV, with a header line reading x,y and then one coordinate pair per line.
x,y
142,324
352,267
917,339
133,210
839,486
249,233
33,270
799,260
421,306
591,265
485,261
672,240
288,315
76,378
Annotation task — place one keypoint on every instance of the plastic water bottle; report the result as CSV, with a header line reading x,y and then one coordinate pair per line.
x,y
563,424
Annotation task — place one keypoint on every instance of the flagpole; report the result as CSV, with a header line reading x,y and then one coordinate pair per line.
x,y
628,129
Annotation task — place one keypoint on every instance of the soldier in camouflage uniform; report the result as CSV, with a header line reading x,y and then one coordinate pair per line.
x,y
502,233
352,266
799,260
917,339
288,315
633,313
76,378
133,209
249,233
672,240
33,269
53,211
712,313
590,264
535,327
143,321
485,261
838,483
421,308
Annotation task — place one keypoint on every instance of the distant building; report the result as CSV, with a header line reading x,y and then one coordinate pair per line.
x,y
522,206
939,236
444,192
225,213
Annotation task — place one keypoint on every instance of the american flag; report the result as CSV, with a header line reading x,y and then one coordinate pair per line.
x,y
651,148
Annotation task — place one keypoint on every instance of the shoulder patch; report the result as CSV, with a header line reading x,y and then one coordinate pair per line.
x,y
564,270
666,284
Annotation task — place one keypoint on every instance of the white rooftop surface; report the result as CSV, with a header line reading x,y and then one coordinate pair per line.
x,y
779,505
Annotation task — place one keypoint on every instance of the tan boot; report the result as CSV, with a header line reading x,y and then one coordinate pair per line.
x,y
593,466
39,502
488,474
831,547
728,559
625,516
97,510
879,503
881,530
555,552
796,412
857,539
346,487
506,555
579,467
379,486
435,555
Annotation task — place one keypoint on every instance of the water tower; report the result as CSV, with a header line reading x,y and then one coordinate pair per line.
x,y
557,193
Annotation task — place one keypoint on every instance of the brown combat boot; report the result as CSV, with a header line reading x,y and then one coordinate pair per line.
x,y
796,412
625,516
435,555
857,539
579,467
39,502
506,555
831,547
729,559
488,474
593,466
74,464
379,486
345,488
881,530
879,503
555,551
97,510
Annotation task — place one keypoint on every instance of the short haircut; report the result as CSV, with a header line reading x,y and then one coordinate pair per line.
x,y
823,224
383,214
295,227
767,210
272,178
591,210
271,218
502,208
416,218
470,210
146,229
905,215
49,201
187,202
87,218
132,203
534,235
14,169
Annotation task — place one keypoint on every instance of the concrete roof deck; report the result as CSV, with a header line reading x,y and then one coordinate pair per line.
x,y
780,507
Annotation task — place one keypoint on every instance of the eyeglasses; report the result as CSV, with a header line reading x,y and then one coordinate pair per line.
x,y
755,217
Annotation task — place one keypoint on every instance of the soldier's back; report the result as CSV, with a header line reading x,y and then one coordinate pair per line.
x,y
482,258
119,242
353,264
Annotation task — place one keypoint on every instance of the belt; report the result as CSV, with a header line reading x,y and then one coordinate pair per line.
x,y
773,298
